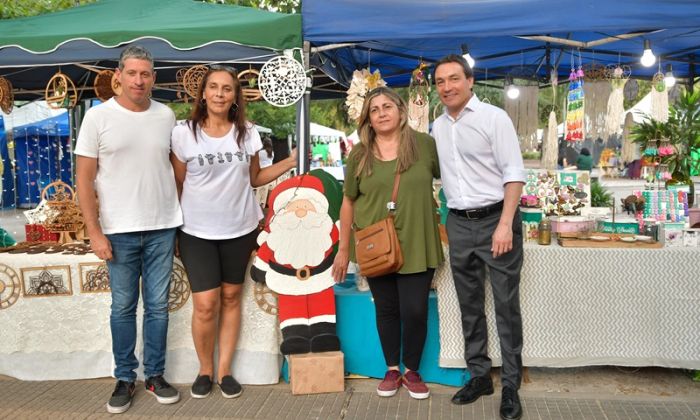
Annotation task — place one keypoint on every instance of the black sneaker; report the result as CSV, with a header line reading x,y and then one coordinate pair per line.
x,y
121,397
162,390
230,388
201,388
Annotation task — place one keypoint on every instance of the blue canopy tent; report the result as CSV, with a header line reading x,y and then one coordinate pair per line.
x,y
527,37
42,156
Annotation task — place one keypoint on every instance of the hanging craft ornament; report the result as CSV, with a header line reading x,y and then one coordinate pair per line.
x,y
249,85
179,78
631,90
594,72
193,78
7,98
575,102
282,81
362,82
658,82
103,85
60,92
419,98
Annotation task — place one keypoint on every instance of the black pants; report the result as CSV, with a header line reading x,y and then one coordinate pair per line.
x,y
401,300
470,254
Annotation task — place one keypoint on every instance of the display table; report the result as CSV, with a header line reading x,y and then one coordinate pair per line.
x,y
55,311
594,306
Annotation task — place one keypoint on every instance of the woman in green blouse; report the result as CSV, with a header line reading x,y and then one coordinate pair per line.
x,y
388,144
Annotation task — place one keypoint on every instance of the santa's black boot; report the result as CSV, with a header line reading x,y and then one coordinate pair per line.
x,y
323,337
295,340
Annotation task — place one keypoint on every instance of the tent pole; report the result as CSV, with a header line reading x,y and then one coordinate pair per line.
x,y
303,123
691,73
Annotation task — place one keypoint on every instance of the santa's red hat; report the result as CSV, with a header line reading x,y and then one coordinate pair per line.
x,y
305,186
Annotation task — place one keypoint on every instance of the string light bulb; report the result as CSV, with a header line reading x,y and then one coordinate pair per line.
x,y
648,58
467,56
669,78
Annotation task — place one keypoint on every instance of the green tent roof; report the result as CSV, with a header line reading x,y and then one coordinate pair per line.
x,y
185,24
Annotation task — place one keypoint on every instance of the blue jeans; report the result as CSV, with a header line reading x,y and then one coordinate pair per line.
x,y
149,255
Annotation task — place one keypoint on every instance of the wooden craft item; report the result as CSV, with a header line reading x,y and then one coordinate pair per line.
x,y
193,78
64,215
116,85
249,85
60,92
180,79
103,85
7,98
615,241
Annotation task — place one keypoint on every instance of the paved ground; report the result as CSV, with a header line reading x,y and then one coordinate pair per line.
x,y
579,393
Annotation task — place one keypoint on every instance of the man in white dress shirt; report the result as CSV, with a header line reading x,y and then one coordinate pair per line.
x,y
482,176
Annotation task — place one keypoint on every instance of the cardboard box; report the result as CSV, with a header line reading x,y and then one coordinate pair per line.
x,y
38,233
317,373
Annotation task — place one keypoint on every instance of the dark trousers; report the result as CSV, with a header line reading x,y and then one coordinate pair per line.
x,y
401,300
470,254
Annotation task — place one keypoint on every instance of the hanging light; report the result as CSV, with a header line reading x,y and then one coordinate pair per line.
x,y
648,58
512,91
669,78
467,56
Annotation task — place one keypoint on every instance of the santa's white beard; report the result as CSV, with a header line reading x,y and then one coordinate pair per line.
x,y
300,242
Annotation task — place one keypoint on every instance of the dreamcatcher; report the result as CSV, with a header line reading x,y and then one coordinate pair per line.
x,y
104,85
362,82
659,97
575,102
618,76
282,81
7,98
419,98
180,80
192,78
249,85
60,92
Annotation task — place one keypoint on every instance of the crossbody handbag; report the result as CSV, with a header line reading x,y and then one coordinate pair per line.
x,y
377,247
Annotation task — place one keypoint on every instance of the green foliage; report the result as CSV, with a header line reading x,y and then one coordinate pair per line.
x,y
282,6
281,121
10,9
683,132
531,155
600,197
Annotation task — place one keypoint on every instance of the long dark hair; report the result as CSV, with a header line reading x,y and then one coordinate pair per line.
x,y
267,145
236,114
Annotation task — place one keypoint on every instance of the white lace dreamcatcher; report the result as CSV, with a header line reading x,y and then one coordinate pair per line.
x,y
282,81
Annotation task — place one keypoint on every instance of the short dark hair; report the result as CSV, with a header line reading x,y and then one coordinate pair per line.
x,y
455,58
135,51
585,152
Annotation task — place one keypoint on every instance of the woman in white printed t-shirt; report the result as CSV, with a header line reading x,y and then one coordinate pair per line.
x,y
215,160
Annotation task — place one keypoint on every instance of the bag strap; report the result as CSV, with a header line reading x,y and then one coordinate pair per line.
x,y
391,205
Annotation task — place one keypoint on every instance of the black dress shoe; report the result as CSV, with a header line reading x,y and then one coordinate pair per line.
x,y
477,386
510,404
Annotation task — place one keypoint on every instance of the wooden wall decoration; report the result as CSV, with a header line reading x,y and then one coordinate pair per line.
x,y
46,281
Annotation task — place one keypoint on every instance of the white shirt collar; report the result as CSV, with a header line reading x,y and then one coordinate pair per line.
x,y
472,105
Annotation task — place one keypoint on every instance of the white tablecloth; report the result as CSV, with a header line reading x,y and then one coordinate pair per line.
x,y
68,336
588,306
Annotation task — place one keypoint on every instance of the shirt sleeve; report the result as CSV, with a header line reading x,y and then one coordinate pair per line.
x,y
351,187
177,141
253,142
88,137
506,149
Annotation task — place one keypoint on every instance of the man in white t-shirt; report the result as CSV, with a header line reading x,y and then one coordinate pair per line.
x,y
123,159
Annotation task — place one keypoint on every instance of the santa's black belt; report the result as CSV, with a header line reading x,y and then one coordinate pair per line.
x,y
305,272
